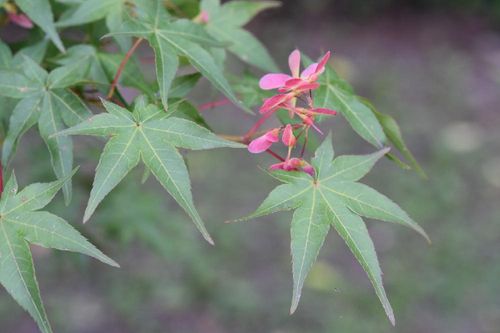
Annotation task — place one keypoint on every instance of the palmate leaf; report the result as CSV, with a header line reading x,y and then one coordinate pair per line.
x,y
45,99
172,38
87,11
225,24
36,51
21,224
40,12
336,94
334,198
377,128
149,135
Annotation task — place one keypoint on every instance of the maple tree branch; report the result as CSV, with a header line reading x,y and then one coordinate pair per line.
x,y
122,66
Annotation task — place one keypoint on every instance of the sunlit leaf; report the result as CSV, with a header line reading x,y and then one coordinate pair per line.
x,y
333,197
149,135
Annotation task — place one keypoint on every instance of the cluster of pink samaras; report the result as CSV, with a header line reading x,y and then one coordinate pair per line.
x,y
291,88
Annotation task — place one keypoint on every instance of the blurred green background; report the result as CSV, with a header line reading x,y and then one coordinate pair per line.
x,y
433,65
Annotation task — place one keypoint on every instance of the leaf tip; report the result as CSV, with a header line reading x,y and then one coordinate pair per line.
x,y
421,172
241,219
427,238
113,263
392,319
86,217
422,232
209,240
295,304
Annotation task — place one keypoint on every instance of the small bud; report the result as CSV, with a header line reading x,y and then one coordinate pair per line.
x,y
308,169
202,18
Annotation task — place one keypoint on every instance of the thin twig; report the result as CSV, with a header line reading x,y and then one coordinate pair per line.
x,y
211,105
305,144
256,126
234,138
122,66
272,153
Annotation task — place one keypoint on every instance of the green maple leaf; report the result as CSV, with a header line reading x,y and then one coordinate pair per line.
x,y
375,127
45,98
40,12
151,135
8,61
86,11
333,198
172,38
337,94
225,24
35,51
103,67
22,223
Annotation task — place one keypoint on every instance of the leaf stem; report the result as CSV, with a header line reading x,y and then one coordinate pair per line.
x,y
211,105
248,135
122,66
240,139
305,143
272,153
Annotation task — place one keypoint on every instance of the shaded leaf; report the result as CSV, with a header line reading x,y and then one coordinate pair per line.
x,y
53,108
40,12
22,224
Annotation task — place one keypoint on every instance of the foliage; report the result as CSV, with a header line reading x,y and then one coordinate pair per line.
x,y
21,224
59,88
333,198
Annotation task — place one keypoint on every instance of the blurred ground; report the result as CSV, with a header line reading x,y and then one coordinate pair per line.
x,y
436,72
